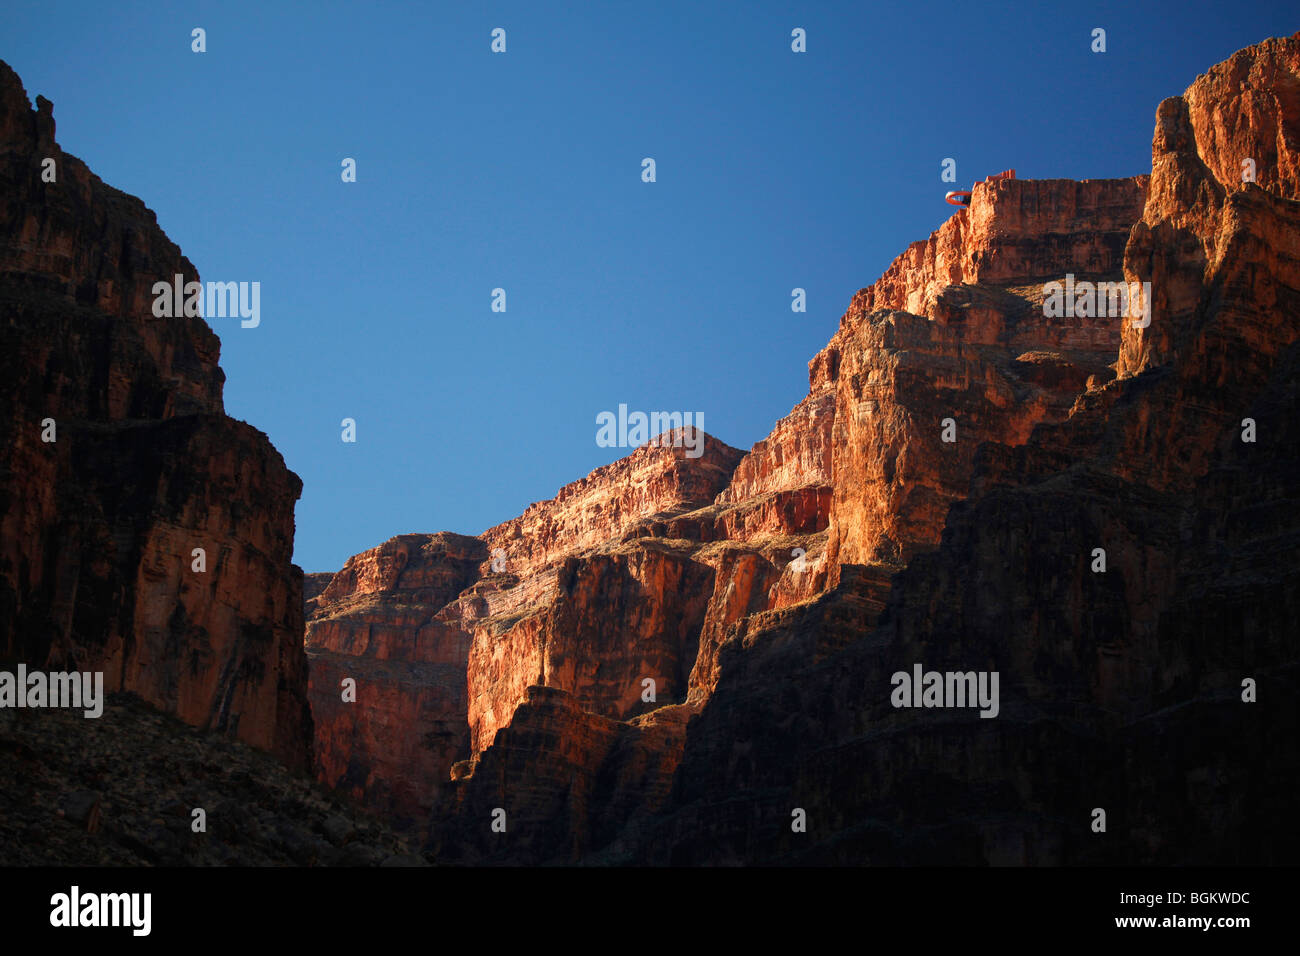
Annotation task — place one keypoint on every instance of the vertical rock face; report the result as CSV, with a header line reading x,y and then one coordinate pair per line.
x,y
659,566
1235,122
591,783
313,585
1014,231
974,360
377,625
614,622
796,455
445,634
98,527
653,480
942,497
673,655
1121,688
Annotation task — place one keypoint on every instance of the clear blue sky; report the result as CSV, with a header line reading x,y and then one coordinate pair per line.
x,y
523,171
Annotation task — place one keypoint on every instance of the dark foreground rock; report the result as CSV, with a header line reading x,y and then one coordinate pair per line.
x,y
121,790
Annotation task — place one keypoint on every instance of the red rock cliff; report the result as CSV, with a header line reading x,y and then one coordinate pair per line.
x,y
648,568
98,527
937,497
1119,688
1122,687
377,624
445,634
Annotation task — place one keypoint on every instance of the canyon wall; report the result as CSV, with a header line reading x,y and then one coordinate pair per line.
x,y
120,462
445,634
376,624
1158,687
691,660
646,568
675,657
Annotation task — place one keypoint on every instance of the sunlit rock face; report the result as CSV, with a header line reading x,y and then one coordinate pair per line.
x,y
669,658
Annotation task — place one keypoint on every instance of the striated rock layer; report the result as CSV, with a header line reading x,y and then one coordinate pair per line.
x,y
1120,689
98,526
445,634
674,656
857,477
377,626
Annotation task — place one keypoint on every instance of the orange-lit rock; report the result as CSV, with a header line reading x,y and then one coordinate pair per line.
x,y
592,511
1013,232
447,646
614,622
771,595
377,624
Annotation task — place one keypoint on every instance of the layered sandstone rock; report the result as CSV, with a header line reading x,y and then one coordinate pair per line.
x,y
656,479
567,596
1014,231
675,655
313,586
401,724
592,783
771,596
1119,689
650,568
615,621
98,528
975,359
1202,218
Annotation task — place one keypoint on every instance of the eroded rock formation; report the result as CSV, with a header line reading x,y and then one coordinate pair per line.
x,y
940,498
120,462
402,722
676,656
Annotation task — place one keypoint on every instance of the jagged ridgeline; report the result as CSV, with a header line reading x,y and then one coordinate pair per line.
x,y
693,655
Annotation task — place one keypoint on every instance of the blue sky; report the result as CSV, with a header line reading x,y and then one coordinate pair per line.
x,y
522,171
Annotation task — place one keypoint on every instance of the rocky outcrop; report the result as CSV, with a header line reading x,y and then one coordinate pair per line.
x,y
691,660
313,586
444,634
400,725
1120,689
626,590
856,477
1123,689
1203,218
614,622
567,812
974,360
120,465
675,658
1014,231
654,480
